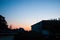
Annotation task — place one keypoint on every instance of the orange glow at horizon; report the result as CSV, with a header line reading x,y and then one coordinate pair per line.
x,y
25,27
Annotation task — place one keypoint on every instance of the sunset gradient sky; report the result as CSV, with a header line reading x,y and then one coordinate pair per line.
x,y
24,13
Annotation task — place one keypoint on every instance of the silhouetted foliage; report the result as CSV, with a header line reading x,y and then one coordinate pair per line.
x,y
3,24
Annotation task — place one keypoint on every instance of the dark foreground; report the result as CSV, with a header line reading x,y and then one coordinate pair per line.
x,y
28,36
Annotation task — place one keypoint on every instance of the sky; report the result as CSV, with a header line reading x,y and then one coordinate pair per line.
x,y
24,13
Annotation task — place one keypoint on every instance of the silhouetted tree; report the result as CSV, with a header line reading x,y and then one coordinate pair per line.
x,y
3,24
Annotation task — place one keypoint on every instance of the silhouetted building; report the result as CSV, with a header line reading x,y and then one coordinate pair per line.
x,y
37,27
47,26
51,25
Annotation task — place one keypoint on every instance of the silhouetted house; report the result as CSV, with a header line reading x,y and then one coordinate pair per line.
x,y
37,27
46,26
51,25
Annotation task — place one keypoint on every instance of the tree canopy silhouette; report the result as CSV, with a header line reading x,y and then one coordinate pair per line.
x,y
3,24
